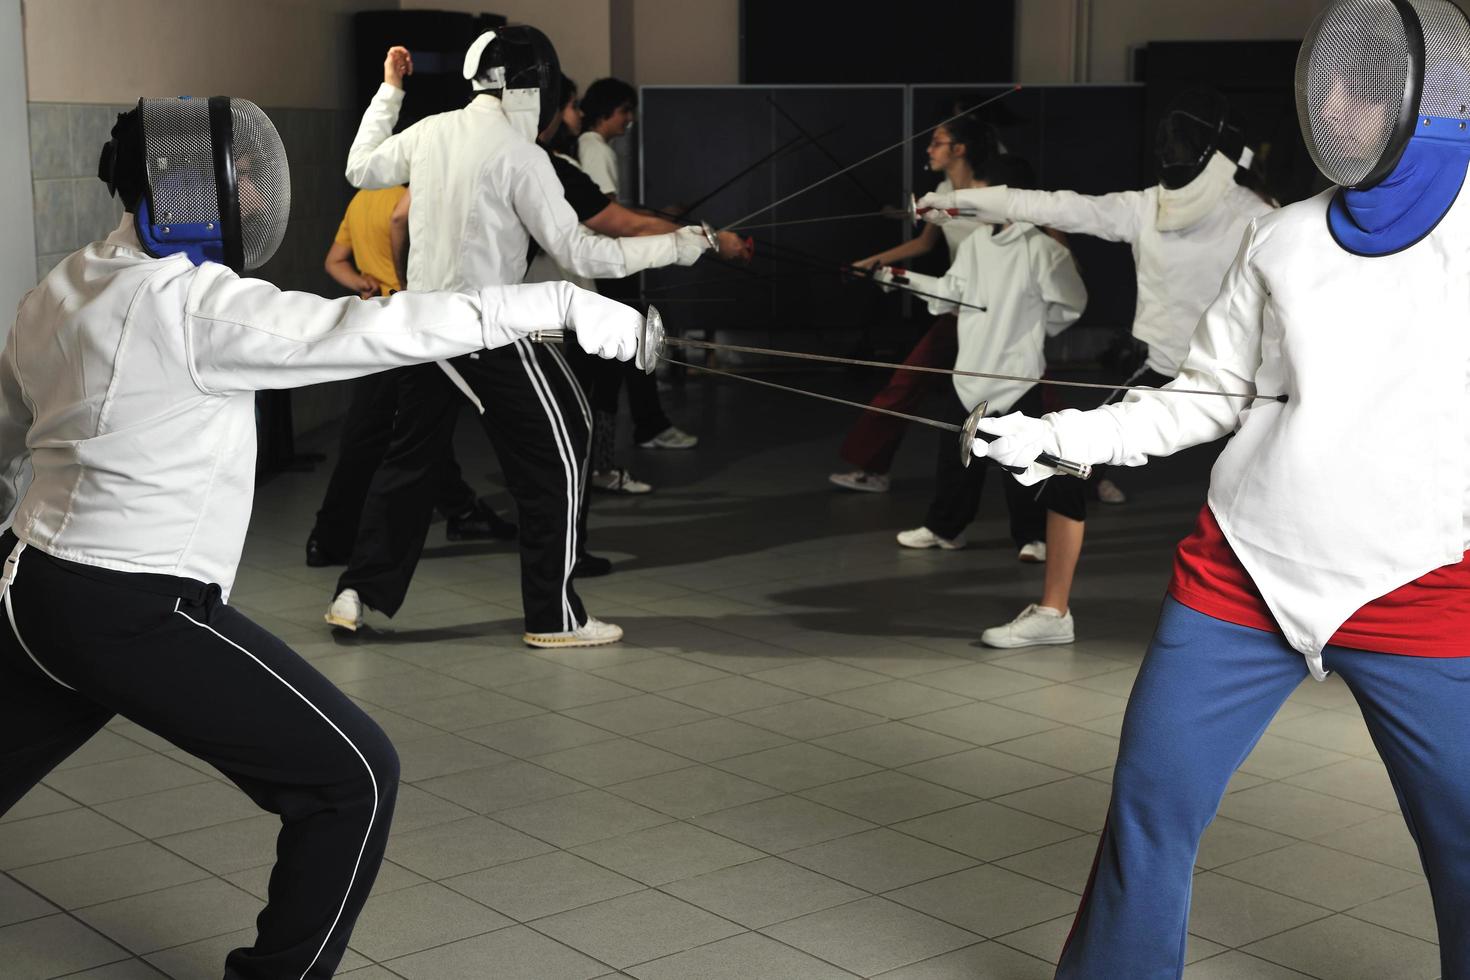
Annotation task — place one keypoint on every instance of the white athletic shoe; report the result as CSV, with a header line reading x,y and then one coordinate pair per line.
x,y
862,481
1033,552
1036,626
345,610
593,633
618,481
1109,492
671,438
922,537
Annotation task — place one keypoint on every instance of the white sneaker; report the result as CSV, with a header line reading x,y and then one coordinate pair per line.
x,y
1033,552
861,480
1109,492
618,481
922,537
345,610
671,438
593,633
1036,626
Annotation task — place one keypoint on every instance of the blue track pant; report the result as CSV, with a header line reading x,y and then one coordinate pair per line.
x,y
1204,696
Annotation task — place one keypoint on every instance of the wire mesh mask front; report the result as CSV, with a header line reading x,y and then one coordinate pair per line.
x,y
185,184
1353,76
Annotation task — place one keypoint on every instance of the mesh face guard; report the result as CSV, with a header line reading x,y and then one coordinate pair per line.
x,y
522,62
1196,125
219,187
1368,72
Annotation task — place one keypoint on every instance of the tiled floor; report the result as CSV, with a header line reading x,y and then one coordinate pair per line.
x,y
799,765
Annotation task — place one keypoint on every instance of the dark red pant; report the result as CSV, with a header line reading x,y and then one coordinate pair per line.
x,y
873,441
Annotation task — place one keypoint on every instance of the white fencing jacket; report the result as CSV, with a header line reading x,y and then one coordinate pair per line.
x,y
1029,286
1356,485
127,394
1179,272
481,191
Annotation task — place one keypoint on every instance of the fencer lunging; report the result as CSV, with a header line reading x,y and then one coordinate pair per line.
x,y
127,469
1353,303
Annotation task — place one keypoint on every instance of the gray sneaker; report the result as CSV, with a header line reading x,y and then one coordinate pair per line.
x,y
1036,626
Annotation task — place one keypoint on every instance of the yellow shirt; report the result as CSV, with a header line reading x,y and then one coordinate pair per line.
x,y
365,230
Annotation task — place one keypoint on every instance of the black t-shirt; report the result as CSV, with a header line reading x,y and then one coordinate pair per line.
x,y
581,192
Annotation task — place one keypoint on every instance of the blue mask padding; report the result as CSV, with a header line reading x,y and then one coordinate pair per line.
x,y
200,243
1403,208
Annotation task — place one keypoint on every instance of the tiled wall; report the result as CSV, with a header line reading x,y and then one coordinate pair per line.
x,y
73,207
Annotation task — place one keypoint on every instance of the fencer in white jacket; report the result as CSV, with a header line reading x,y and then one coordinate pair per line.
x,y
1337,352
127,475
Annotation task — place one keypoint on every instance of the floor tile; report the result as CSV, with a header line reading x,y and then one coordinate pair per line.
x,y
501,787
660,673
39,802
1350,949
982,681
173,916
731,695
440,755
983,961
987,831
175,811
450,849
516,953
605,763
879,860
747,957
988,900
762,893
58,835
1384,839
1065,703
636,928
53,946
982,724
229,847
1362,781
19,904
819,677
1294,811
659,855
1313,873
887,797
419,918
808,718
471,709
1234,913
637,715
123,778
1235,965
985,773
560,692
536,735
1073,749
782,824
581,818
1077,802
1275,757
892,745
871,936
1058,663
1410,911
1066,864
101,876
692,792
796,766
713,740
541,886
1227,841
897,699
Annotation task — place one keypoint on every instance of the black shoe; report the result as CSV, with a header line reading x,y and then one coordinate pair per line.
x,y
480,524
592,566
319,557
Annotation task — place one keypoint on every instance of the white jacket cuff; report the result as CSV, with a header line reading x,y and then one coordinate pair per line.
x,y
649,252
1094,437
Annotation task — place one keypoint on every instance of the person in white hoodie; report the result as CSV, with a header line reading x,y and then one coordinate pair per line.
x,y
127,473
1339,335
1018,286
1183,230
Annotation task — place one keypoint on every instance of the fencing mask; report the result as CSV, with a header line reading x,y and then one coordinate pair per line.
x,y
520,63
207,178
1382,92
1195,127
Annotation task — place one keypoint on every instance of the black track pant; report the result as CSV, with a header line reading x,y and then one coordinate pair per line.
x,y
168,654
366,432
537,419
957,487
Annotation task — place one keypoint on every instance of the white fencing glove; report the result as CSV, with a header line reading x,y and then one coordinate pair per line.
x,y
1019,439
603,326
987,204
691,242
884,276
